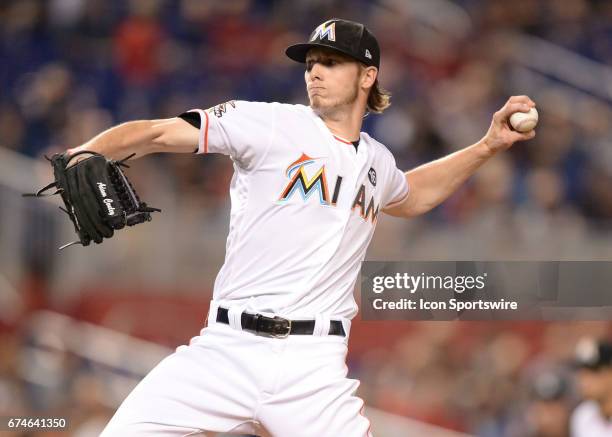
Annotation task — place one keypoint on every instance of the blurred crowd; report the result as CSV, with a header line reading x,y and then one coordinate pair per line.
x,y
73,68
40,377
487,379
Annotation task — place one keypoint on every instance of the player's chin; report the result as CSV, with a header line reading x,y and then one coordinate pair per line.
x,y
321,105
316,100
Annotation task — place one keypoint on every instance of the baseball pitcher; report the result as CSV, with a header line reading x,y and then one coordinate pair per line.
x,y
307,191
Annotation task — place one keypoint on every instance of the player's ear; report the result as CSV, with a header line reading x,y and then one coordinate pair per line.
x,y
368,76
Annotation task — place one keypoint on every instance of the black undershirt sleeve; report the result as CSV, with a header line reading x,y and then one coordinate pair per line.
x,y
193,118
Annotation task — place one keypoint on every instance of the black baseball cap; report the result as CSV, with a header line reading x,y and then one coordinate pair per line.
x,y
592,354
348,37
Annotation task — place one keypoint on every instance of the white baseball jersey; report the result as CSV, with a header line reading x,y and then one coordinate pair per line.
x,y
587,421
304,206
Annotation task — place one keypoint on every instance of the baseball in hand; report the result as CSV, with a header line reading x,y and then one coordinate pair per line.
x,y
524,121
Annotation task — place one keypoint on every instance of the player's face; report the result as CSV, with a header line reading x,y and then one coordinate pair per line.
x,y
332,80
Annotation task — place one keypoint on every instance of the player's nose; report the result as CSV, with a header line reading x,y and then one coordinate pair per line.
x,y
316,72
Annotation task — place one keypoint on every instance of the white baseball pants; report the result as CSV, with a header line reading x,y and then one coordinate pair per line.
x,y
232,381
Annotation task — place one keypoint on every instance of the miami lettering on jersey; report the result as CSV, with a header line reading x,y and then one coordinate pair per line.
x,y
300,182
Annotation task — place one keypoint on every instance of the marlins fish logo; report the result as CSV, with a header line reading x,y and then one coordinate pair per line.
x,y
300,182
325,30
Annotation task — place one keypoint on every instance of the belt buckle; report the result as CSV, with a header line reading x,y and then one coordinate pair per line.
x,y
282,334
276,333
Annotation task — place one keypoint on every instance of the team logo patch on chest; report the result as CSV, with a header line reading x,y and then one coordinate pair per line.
x,y
307,176
300,182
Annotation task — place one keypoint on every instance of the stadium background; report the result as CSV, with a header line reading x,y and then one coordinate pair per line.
x,y
79,328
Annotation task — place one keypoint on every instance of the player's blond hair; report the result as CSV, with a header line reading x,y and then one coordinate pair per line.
x,y
379,98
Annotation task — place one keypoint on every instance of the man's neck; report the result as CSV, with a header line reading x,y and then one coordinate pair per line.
x,y
345,124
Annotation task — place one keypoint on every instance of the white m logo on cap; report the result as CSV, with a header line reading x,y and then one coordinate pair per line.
x,y
325,30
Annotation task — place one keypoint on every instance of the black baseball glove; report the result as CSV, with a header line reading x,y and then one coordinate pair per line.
x,y
97,195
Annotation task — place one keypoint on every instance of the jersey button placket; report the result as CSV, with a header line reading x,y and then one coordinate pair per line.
x,y
360,164
350,168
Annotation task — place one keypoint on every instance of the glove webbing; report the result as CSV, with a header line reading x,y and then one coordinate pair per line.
x,y
139,212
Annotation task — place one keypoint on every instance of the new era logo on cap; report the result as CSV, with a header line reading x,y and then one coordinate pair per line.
x,y
368,54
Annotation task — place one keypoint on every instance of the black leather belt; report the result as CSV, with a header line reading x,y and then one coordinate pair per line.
x,y
278,327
